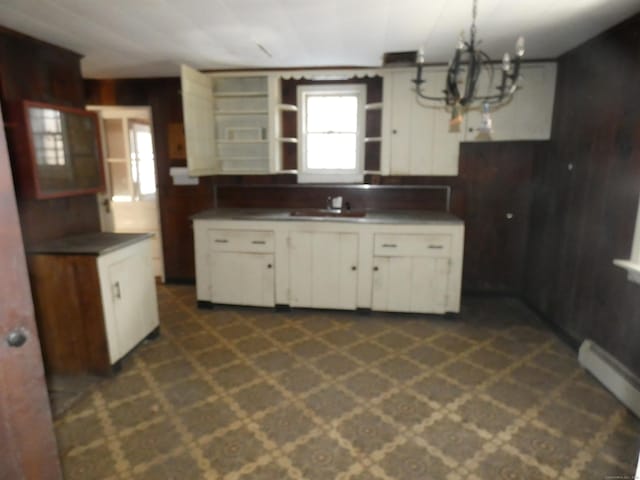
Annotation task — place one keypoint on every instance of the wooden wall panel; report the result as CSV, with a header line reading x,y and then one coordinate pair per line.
x,y
585,199
34,70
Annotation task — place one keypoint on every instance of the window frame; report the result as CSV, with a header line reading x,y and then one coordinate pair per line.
x,y
307,175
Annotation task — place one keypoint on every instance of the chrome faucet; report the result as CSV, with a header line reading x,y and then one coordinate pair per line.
x,y
334,203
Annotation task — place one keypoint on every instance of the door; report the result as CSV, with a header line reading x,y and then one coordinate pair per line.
x,y
26,432
410,284
130,204
242,278
323,270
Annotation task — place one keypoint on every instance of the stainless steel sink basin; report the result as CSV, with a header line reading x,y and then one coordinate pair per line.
x,y
319,212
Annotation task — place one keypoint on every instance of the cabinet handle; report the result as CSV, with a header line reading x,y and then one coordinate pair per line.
x,y
353,268
221,240
269,266
389,245
116,287
394,131
435,247
375,269
258,242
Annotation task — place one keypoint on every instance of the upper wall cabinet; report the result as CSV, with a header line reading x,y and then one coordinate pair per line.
x,y
228,122
416,137
63,152
529,113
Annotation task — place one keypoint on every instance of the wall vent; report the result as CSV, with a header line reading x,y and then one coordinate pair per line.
x,y
612,374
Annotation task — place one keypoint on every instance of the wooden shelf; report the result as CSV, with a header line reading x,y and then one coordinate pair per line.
x,y
373,106
287,139
372,139
287,107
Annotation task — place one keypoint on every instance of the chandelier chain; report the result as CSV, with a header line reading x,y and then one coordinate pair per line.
x,y
474,13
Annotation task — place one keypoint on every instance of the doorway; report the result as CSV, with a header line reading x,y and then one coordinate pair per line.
x,y
130,202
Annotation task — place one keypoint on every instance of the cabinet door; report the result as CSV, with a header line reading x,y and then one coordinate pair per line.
x,y
527,116
198,112
419,139
134,301
323,270
410,284
242,278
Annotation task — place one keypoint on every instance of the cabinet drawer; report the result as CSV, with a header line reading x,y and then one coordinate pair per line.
x,y
390,245
241,241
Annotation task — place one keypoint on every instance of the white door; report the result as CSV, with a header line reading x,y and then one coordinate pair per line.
x,y
129,280
323,270
410,284
130,204
242,278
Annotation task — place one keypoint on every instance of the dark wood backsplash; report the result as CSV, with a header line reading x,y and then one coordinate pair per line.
x,y
586,196
34,70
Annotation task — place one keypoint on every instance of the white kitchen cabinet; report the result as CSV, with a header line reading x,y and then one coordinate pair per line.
x,y
417,139
95,299
323,270
129,299
229,122
411,273
378,264
527,116
241,267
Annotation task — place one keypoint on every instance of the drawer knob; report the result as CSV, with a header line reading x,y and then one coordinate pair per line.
x,y
389,245
353,267
375,269
269,266
435,247
17,337
258,242
221,240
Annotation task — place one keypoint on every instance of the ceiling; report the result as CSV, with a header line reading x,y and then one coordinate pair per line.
x,y
145,38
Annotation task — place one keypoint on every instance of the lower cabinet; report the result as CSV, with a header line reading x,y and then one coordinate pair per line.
x,y
241,266
323,270
334,265
92,309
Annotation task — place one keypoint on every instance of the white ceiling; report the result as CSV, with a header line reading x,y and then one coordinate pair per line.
x,y
143,38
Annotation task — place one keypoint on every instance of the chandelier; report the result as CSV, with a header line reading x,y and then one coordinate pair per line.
x,y
464,70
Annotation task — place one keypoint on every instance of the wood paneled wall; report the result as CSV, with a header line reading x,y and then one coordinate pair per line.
x,y
34,70
585,199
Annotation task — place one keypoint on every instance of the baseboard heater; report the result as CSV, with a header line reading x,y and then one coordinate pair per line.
x,y
612,374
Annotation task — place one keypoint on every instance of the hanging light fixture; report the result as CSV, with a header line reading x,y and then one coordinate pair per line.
x,y
465,68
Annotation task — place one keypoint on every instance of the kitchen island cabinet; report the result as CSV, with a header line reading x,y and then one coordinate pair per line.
x,y
389,261
94,298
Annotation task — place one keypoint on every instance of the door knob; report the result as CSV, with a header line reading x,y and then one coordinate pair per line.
x,y
17,337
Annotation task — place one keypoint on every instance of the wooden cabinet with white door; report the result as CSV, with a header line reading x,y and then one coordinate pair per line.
x,y
95,299
323,270
411,273
417,138
241,267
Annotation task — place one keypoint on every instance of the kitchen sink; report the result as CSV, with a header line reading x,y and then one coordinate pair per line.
x,y
321,212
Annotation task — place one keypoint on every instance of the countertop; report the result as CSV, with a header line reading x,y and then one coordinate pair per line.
x,y
98,243
419,217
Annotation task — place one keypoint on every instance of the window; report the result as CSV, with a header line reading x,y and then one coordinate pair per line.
x,y
632,265
331,126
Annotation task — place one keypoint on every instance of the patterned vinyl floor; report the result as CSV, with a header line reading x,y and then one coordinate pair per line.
x,y
239,393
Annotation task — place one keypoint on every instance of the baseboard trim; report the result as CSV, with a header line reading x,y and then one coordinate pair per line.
x,y
623,384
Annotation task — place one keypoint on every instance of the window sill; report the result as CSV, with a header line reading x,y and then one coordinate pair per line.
x,y
630,266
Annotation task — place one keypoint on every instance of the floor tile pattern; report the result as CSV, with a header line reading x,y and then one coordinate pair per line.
x,y
241,393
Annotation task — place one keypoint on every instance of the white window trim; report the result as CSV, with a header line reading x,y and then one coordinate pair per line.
x,y
356,175
632,265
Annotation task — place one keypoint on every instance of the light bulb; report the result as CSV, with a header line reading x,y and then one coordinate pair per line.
x,y
506,62
420,56
461,41
520,46
456,117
